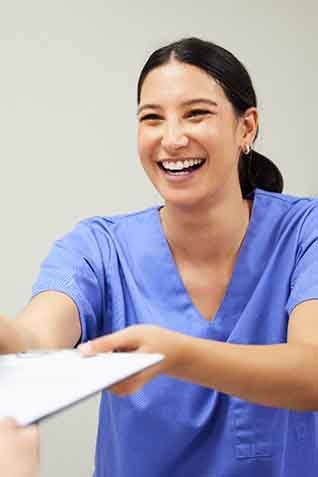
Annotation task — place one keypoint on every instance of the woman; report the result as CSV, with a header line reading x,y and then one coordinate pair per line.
x,y
18,450
221,279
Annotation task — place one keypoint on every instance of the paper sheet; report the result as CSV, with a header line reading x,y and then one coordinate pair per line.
x,y
36,384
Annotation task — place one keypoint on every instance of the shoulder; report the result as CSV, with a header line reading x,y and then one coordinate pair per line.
x,y
117,227
112,222
287,201
96,239
287,207
286,218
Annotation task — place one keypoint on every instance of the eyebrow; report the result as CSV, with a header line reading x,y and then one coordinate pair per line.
x,y
185,103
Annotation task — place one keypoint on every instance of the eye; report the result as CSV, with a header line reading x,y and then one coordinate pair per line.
x,y
150,117
198,112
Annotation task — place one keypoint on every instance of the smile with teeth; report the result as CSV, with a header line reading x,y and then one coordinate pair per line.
x,y
181,166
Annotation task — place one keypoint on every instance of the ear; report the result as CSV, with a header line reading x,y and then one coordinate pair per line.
x,y
249,125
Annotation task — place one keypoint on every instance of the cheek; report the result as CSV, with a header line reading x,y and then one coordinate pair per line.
x,y
217,137
139,142
147,144
207,136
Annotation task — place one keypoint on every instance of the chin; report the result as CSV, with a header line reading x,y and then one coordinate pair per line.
x,y
182,200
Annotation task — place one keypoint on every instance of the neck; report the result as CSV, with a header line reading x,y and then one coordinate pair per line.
x,y
210,235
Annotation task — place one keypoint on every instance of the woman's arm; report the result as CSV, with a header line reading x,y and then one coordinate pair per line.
x,y
282,375
19,450
50,320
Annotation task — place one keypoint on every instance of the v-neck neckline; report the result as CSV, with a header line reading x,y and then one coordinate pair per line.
x,y
226,306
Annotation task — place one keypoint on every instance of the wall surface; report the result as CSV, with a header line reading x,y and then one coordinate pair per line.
x,y
68,74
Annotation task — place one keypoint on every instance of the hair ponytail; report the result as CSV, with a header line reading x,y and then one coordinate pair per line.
x,y
257,171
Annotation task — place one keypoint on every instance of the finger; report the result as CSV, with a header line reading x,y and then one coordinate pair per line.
x,y
136,382
125,340
8,423
31,435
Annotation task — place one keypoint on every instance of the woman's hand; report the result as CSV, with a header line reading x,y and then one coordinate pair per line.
x,y
144,339
19,450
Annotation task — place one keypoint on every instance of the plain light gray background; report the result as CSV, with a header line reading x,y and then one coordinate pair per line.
x,y
68,73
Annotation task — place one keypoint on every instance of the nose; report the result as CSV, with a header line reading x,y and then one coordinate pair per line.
x,y
174,137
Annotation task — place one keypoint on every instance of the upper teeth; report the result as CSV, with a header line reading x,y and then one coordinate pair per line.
x,y
178,165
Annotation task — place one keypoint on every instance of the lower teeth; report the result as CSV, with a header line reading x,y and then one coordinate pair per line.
x,y
180,173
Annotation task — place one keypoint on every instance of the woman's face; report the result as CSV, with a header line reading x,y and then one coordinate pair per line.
x,y
189,138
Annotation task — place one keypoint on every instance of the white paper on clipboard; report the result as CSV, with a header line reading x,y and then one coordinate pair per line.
x,y
36,384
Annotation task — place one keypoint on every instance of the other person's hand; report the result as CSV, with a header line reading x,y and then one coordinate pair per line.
x,y
19,450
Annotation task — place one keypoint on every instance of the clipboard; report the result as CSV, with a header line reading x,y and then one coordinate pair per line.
x,y
37,384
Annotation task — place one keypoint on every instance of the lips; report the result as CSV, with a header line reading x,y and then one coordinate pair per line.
x,y
184,176
186,169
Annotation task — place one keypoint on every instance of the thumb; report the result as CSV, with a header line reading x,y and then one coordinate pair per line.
x,y
125,340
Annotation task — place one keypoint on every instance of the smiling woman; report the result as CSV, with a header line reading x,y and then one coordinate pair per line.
x,y
221,279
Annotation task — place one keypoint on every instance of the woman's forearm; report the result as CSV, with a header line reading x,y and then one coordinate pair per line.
x,y
12,340
282,375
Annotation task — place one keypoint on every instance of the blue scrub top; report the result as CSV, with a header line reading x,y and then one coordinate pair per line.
x,y
120,271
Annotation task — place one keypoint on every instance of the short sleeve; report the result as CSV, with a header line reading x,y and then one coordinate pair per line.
x,y
304,280
74,266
